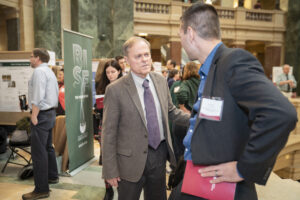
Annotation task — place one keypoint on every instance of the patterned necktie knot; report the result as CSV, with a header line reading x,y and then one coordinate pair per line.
x,y
146,83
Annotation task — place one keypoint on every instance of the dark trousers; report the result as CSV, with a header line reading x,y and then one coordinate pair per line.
x,y
177,195
42,151
178,134
153,180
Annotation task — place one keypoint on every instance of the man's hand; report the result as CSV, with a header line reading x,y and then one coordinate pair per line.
x,y
226,172
291,83
35,111
182,107
34,120
114,181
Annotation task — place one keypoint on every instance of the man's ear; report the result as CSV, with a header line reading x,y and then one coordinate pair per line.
x,y
191,33
126,59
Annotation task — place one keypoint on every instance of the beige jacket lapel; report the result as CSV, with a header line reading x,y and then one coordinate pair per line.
x,y
133,94
156,83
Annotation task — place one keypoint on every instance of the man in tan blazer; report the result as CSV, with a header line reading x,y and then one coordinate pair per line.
x,y
136,140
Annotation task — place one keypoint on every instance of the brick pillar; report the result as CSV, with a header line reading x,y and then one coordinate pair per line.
x,y
175,51
156,55
272,58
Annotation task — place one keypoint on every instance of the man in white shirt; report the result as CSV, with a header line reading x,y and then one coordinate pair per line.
x,y
42,100
286,82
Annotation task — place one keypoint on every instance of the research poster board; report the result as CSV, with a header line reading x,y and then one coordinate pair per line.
x,y
78,94
14,77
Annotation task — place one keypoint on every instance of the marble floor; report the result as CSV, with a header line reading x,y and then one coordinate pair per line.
x,y
88,184
85,185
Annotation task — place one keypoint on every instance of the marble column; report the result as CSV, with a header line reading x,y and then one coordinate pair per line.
x,y
292,40
47,26
272,58
175,51
122,24
110,22
104,46
84,19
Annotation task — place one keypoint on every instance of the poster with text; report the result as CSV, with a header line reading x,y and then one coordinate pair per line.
x,y
14,77
78,94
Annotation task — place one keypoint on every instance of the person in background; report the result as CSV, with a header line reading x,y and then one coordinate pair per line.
x,y
174,75
186,97
122,62
60,77
60,110
173,90
136,139
257,5
164,73
187,92
240,120
171,64
42,100
111,72
96,114
286,82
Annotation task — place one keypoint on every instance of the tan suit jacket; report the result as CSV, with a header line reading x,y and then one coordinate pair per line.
x,y
124,129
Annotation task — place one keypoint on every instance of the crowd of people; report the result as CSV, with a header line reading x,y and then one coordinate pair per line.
x,y
225,115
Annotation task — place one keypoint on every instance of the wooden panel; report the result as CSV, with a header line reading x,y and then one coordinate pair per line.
x,y
4,55
10,3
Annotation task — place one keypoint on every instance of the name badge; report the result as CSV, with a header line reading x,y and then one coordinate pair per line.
x,y
211,108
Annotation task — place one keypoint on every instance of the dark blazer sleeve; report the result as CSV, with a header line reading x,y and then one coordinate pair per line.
x,y
271,116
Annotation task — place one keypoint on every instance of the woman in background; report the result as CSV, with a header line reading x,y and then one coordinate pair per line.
x,y
187,93
60,110
186,96
111,72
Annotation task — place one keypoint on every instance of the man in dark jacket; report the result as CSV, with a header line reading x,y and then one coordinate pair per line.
x,y
240,120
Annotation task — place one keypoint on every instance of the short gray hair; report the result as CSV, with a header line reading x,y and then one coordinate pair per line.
x,y
131,41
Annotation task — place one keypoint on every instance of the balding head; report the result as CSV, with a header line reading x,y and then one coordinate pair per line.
x,y
131,41
286,69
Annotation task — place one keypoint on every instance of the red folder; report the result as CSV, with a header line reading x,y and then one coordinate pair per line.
x,y
99,101
196,185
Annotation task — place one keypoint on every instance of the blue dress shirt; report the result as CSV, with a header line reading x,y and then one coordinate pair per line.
x,y
203,72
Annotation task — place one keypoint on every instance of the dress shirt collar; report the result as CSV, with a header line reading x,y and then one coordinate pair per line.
x,y
138,80
43,65
204,69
